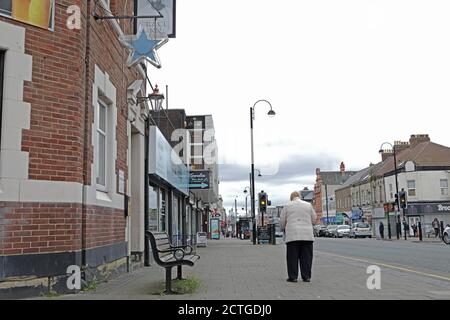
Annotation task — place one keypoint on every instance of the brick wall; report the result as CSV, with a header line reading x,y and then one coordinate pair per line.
x,y
104,226
39,227
57,136
54,141
112,61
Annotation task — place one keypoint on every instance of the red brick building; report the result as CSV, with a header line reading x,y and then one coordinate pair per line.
x,y
72,143
324,191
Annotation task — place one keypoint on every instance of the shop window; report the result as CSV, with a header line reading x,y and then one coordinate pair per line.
x,y
444,187
2,62
411,188
162,211
153,208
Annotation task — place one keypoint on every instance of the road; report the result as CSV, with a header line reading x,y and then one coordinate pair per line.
x,y
423,257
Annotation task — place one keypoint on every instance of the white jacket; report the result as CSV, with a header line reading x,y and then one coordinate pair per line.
x,y
297,218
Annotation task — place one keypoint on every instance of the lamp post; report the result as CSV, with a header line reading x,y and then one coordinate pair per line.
x,y
271,113
396,190
156,99
245,191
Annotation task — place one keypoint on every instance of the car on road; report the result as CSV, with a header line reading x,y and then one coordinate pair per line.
x,y
319,230
278,232
342,231
329,232
446,235
361,230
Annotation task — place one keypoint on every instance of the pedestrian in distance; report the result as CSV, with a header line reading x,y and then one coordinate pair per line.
x,y
435,225
381,228
297,219
406,227
414,228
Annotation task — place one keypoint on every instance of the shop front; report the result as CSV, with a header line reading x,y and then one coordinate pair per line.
x,y
426,212
168,191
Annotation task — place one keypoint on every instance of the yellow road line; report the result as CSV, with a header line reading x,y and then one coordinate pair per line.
x,y
388,266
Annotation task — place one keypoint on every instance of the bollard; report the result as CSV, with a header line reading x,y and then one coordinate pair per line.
x,y
420,231
442,230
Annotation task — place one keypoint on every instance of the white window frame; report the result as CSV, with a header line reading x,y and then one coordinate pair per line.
x,y
410,190
101,187
444,189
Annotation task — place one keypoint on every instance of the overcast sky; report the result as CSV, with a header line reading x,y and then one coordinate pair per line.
x,y
342,76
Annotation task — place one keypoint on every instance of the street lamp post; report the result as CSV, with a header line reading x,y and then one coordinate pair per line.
x,y
245,191
396,190
236,216
326,201
252,176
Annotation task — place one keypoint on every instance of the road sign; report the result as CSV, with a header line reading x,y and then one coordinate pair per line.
x,y
199,179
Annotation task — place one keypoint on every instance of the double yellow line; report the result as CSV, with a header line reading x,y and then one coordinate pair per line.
x,y
388,266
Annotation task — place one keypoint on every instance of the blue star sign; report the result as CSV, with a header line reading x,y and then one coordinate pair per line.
x,y
142,47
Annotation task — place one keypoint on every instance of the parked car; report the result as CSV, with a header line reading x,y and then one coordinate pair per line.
x,y
329,232
342,231
446,235
361,230
278,232
319,230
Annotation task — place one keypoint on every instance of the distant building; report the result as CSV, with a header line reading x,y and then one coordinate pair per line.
x,y
423,172
326,184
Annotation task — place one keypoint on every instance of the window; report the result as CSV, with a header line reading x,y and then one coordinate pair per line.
x,y
444,187
101,145
381,194
411,188
2,61
391,193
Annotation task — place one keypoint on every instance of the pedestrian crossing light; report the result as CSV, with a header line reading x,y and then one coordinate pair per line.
x,y
403,199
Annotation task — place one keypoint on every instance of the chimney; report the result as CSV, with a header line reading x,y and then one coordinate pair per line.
x,y
401,145
418,138
318,172
342,167
386,154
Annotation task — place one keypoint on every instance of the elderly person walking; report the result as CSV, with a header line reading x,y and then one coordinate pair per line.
x,y
297,219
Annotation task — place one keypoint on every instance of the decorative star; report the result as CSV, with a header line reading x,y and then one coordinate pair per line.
x,y
142,47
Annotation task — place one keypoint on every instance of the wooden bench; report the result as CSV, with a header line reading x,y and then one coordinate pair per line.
x,y
168,256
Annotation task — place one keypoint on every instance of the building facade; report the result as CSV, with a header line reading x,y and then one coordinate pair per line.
x,y
324,192
72,148
203,165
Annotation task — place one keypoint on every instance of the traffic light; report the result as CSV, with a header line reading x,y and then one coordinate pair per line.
x,y
262,202
403,199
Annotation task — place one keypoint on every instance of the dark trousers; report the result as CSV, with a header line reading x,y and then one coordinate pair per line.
x,y
382,233
436,232
299,251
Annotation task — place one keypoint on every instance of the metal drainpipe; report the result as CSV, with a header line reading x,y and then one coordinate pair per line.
x,y
85,130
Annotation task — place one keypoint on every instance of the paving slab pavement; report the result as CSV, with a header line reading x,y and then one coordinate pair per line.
x,y
232,269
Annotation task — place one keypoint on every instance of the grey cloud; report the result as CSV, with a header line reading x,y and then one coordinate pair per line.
x,y
291,169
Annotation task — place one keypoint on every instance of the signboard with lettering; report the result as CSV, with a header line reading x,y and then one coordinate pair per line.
x,y
264,234
428,208
215,230
164,25
199,179
165,163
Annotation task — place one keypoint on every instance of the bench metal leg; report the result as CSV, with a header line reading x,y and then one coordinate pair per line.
x,y
179,273
169,282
